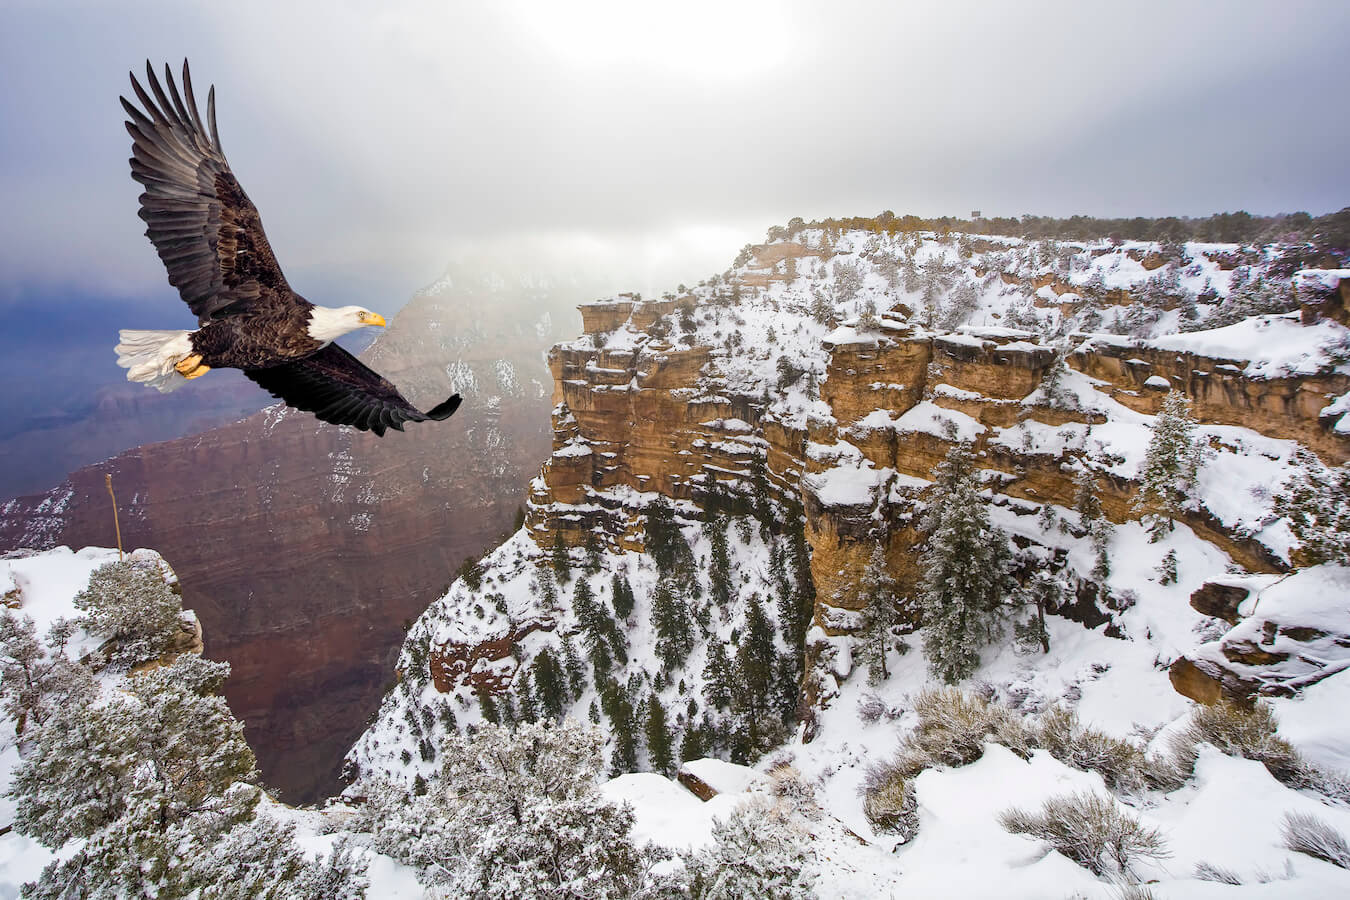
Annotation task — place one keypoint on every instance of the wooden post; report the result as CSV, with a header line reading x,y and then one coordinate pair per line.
x,y
107,479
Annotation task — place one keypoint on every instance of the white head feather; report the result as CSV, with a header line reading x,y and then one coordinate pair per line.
x,y
327,324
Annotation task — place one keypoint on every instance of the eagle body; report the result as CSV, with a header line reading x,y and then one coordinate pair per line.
x,y
258,340
210,238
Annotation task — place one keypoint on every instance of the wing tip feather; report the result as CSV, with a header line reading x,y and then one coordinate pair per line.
x,y
445,410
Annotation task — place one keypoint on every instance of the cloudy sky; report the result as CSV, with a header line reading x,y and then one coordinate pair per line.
x,y
383,140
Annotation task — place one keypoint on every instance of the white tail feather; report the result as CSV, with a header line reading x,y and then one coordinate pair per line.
x,y
150,356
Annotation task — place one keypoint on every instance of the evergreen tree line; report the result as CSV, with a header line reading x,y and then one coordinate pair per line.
x,y
750,694
1327,233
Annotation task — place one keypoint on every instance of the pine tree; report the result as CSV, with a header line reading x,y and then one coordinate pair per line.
x,y
593,553
1316,501
1092,518
797,589
965,563
623,596
576,669
879,616
753,684
717,678
665,542
550,684
756,852
596,628
560,559
548,588
623,728
1170,465
660,751
694,743
673,625
159,786
1043,592
719,563
526,709
513,814
488,706
1167,569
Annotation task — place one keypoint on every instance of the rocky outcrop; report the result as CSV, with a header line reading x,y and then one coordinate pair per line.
x,y
1291,632
1221,393
306,549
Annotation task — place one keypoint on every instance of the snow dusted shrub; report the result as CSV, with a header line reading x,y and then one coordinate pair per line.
x,y
953,728
1310,835
260,860
1091,830
1240,731
37,677
129,603
891,803
872,709
1123,766
513,814
157,783
1218,874
758,851
341,875
797,794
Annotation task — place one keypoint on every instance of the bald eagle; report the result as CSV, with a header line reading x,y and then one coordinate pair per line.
x,y
210,238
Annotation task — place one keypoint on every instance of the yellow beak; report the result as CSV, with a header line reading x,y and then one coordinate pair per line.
x,y
373,319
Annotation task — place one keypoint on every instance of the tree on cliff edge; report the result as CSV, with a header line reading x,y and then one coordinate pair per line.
x,y
879,616
965,562
1167,477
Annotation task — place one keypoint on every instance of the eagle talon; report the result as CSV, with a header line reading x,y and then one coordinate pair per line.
x,y
190,364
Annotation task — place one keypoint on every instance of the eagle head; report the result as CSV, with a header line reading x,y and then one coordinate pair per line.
x,y
327,324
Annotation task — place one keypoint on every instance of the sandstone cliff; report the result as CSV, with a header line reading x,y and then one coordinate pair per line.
x,y
834,386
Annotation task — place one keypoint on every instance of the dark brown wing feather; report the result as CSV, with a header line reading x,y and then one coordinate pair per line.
x,y
338,388
203,225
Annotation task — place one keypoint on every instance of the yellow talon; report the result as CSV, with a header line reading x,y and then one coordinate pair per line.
x,y
189,363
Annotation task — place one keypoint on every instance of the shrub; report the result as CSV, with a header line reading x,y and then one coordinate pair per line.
x,y
129,604
891,803
954,726
757,851
1308,834
1239,731
1208,872
1091,830
1124,766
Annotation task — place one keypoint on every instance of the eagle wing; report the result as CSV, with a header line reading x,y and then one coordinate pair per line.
x,y
338,388
206,230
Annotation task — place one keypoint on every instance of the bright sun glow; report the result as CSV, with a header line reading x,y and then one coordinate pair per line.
x,y
696,37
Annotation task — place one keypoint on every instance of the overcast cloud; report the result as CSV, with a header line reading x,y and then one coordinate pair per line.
x,y
382,140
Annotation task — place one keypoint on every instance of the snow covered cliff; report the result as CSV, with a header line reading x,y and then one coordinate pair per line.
x,y
746,476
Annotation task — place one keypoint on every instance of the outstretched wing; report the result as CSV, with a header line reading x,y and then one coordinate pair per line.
x,y
338,388
203,225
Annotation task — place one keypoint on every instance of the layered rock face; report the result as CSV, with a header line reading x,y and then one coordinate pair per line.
x,y
675,409
306,549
